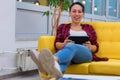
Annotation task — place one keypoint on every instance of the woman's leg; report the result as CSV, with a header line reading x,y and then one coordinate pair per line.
x,y
83,55
69,53
65,56
46,63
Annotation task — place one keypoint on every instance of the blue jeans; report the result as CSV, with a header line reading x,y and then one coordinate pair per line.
x,y
73,53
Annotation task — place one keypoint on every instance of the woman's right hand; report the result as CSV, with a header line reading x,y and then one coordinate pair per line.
x,y
60,45
68,41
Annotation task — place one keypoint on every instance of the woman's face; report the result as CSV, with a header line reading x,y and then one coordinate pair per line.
x,y
76,13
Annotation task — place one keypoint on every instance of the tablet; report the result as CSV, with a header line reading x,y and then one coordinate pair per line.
x,y
79,39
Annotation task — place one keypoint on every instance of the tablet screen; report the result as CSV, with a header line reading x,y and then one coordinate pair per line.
x,y
79,39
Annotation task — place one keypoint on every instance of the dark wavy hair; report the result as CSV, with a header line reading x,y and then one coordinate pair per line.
x,y
77,3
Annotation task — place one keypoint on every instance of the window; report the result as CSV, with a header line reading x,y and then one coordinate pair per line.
x,y
112,11
103,7
99,7
87,4
119,10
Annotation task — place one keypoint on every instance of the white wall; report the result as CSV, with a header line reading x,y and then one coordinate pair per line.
x,y
7,24
7,36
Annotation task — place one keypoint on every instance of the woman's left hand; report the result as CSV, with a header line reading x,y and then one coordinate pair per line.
x,y
88,44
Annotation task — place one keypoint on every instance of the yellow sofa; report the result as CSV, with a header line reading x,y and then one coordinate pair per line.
x,y
109,46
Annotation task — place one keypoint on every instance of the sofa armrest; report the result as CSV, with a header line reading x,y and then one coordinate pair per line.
x,y
46,42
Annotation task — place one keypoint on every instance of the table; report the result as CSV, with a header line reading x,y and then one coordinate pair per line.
x,y
88,77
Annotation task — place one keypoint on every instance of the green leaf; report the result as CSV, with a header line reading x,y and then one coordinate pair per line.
x,y
56,3
47,13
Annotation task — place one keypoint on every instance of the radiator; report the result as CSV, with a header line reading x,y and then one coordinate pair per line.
x,y
24,61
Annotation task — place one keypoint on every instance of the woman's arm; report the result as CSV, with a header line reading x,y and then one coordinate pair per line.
x,y
93,48
60,45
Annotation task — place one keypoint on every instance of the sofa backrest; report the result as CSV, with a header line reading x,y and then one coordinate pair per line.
x,y
46,42
108,39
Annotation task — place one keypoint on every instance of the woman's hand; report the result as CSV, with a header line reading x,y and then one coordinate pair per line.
x,y
88,44
60,45
68,41
93,48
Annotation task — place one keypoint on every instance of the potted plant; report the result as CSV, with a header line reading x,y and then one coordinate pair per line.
x,y
58,6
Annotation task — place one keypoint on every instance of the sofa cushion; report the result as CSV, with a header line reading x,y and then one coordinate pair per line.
x,y
78,69
109,49
111,67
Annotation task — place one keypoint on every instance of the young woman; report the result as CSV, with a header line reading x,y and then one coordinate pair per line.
x,y
67,51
